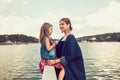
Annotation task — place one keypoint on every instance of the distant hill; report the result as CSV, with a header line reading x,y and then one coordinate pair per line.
x,y
107,37
24,39
17,39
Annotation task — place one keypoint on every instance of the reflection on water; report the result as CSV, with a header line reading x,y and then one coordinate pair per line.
x,y
102,60
20,62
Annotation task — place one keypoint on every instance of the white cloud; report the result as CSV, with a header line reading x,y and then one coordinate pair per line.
x,y
19,24
13,24
4,3
106,17
25,2
30,25
99,22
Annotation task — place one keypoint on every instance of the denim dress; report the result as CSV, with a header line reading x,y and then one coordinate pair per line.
x,y
47,54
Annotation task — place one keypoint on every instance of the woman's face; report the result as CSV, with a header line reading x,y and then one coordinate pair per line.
x,y
63,26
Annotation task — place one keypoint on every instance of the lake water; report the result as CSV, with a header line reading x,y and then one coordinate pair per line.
x,y
20,62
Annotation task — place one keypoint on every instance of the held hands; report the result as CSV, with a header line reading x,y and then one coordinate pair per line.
x,y
51,62
55,43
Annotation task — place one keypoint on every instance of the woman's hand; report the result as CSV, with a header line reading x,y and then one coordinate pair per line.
x,y
51,62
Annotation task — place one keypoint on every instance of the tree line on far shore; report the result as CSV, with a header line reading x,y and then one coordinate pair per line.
x,y
107,37
21,38
17,38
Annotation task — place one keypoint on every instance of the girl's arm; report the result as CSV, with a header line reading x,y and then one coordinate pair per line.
x,y
48,46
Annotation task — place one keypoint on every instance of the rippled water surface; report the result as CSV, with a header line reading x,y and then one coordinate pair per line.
x,y
20,62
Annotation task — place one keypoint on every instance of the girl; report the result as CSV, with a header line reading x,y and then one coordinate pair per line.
x,y
48,49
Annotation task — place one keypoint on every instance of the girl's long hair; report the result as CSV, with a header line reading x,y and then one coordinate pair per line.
x,y
44,31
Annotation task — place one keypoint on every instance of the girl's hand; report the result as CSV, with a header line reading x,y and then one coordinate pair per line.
x,y
56,42
51,62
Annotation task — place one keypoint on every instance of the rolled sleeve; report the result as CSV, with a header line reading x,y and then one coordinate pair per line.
x,y
63,61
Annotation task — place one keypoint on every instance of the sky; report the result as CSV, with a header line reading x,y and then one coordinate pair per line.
x,y
88,17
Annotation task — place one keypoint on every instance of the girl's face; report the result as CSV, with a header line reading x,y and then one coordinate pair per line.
x,y
50,30
63,26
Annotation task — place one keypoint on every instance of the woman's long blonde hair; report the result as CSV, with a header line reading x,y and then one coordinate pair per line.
x,y
44,31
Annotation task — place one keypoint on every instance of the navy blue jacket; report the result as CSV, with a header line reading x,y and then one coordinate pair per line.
x,y
72,60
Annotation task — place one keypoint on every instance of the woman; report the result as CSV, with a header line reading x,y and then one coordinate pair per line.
x,y
69,53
